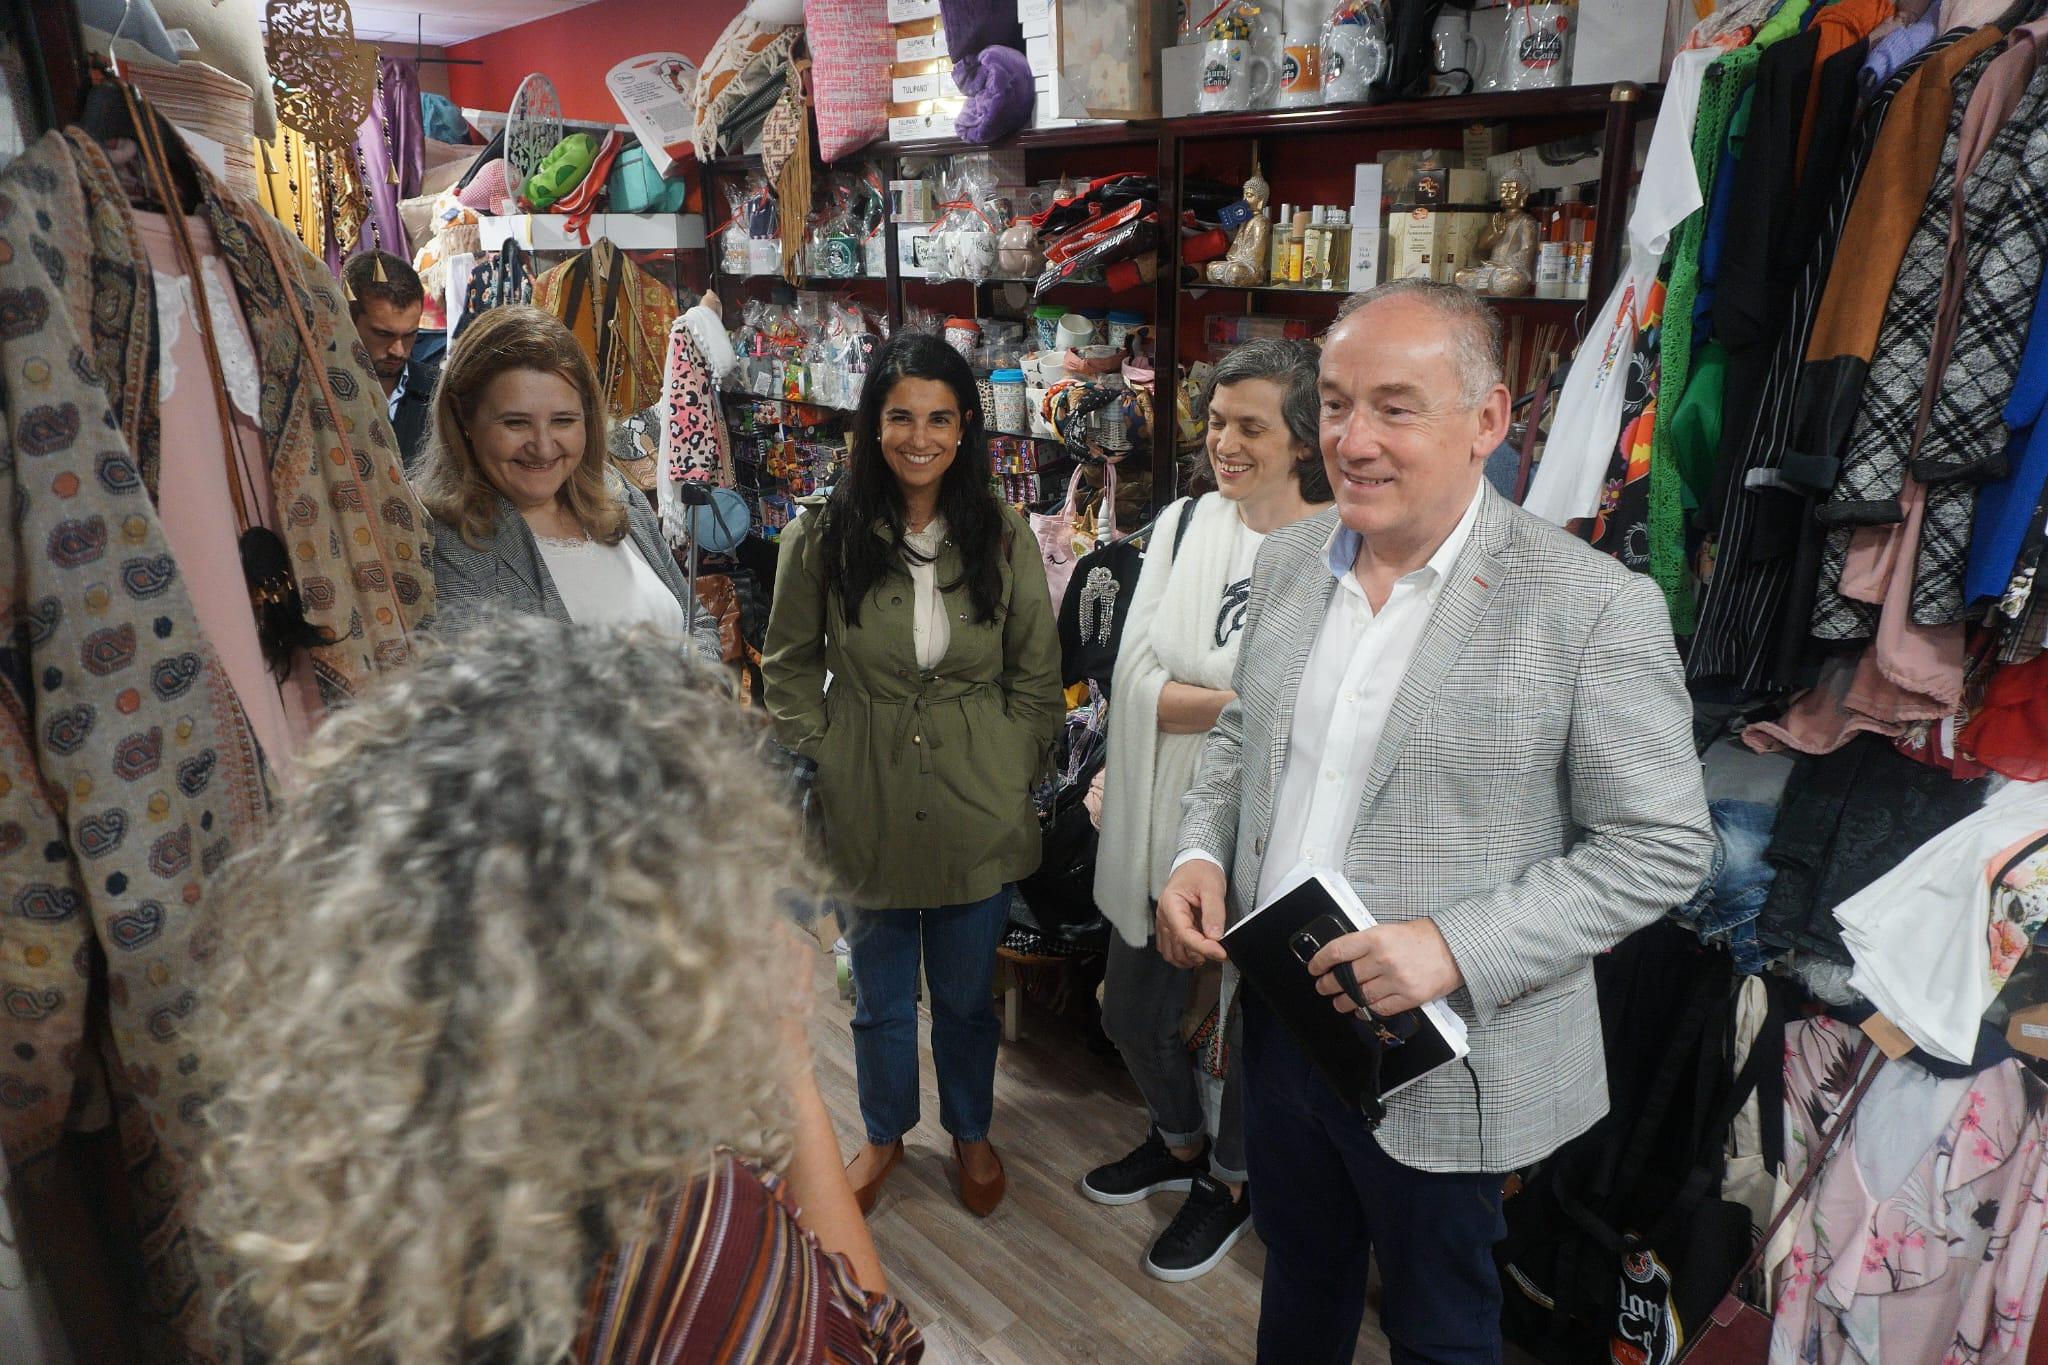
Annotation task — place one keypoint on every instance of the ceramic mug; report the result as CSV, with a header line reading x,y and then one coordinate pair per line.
x,y
1234,78
1354,57
1301,72
1538,42
1455,55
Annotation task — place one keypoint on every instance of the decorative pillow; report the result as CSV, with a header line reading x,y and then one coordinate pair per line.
x,y
487,187
972,25
781,13
747,57
230,38
851,48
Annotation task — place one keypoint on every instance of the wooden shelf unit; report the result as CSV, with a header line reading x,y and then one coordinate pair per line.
x,y
1613,114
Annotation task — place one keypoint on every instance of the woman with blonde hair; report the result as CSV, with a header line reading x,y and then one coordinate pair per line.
x,y
518,1061
528,515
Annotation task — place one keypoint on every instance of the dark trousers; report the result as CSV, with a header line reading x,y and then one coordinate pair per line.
x,y
1143,996
1327,1201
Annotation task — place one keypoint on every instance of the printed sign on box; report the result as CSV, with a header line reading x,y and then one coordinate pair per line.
x,y
657,92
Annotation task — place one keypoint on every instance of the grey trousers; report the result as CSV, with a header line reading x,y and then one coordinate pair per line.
x,y
1143,996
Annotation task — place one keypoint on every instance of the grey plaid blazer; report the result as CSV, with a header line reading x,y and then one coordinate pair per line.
x,y
1535,792
508,575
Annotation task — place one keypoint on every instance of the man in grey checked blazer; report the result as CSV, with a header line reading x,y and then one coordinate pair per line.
x,y
1483,723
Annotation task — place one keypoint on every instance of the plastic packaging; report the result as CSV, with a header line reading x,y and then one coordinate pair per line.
x,y
1355,51
1009,405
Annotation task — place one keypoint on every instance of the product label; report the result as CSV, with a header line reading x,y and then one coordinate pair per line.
x,y
182,40
657,92
1542,46
1646,1330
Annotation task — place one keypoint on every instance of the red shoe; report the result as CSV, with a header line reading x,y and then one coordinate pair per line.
x,y
866,1195
981,1197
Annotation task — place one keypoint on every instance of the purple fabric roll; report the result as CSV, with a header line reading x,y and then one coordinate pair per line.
x,y
391,139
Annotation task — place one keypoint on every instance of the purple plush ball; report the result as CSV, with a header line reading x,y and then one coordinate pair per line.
x,y
1000,94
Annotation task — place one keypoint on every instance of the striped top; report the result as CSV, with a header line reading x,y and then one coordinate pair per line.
x,y
731,1278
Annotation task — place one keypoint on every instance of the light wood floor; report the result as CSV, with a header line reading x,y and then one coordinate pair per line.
x,y
1051,1278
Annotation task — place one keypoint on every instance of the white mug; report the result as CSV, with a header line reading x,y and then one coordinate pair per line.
x,y
1354,57
1454,55
1234,78
1536,54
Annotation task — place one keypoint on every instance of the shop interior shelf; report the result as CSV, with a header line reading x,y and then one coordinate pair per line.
x,y
1338,295
627,231
776,398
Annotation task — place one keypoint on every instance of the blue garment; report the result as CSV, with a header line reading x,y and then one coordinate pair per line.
x,y
1898,47
2005,507
959,944
1327,1199
440,118
1718,209
1725,910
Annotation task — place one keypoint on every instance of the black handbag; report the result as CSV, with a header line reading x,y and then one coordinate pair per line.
x,y
1098,602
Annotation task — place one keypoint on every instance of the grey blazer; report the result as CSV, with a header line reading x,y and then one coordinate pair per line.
x,y
1535,792
509,575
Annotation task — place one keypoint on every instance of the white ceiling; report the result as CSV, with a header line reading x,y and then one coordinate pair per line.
x,y
438,23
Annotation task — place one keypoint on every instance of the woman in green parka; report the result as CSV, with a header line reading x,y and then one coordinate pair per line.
x,y
921,595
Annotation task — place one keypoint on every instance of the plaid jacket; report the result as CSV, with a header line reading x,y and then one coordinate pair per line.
x,y
1535,792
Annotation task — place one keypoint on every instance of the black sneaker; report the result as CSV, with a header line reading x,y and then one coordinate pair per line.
x,y
1150,1169
1201,1234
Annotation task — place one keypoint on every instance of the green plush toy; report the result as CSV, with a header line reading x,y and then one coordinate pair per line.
x,y
561,171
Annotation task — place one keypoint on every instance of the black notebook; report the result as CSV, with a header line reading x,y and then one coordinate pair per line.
x,y
1269,948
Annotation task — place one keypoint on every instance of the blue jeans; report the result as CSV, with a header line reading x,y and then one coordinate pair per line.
x,y
1725,910
959,944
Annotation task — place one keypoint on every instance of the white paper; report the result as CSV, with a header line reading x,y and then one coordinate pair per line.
x,y
1443,1016
657,92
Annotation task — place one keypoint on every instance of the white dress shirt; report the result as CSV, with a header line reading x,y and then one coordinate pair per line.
x,y
392,399
1347,692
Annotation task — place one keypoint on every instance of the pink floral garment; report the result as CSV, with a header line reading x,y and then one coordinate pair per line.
x,y
1947,1269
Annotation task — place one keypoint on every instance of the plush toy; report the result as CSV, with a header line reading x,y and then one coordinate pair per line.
x,y
986,42
1000,94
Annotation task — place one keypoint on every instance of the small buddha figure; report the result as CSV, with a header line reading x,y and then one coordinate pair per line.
x,y
1508,246
1250,250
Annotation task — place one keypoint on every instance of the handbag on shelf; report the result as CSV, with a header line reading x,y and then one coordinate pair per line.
x,y
636,187
1055,533
1093,616
1738,1332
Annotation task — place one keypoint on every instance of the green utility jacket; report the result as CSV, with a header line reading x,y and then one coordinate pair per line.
x,y
924,777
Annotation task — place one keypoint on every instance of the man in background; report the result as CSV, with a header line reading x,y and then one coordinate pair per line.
x,y
385,302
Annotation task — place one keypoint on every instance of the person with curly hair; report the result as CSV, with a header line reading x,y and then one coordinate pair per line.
x,y
518,1051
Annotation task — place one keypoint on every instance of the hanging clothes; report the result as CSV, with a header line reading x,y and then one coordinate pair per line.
x,y
390,156
2004,507
1911,1248
502,277
620,314
134,766
288,187
1744,632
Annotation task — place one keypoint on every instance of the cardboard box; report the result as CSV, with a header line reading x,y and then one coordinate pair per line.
x,y
1469,187
1364,270
934,85
1399,168
930,66
1031,12
1462,230
1420,242
910,11
1616,40
1482,142
923,127
1043,54
913,250
921,47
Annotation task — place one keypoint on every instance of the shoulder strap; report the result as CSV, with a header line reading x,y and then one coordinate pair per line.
x,y
1180,532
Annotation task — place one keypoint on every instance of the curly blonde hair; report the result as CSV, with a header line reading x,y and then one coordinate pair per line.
x,y
452,485
503,974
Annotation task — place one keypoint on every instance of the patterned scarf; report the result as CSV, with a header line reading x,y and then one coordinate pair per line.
x,y
130,772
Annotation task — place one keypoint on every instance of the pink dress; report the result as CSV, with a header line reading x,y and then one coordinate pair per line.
x,y
1944,1266
194,504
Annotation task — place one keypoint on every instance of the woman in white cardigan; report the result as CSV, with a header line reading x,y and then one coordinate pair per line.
x,y
1172,681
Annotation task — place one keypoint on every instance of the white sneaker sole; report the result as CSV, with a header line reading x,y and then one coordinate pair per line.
x,y
1197,1271
1181,1186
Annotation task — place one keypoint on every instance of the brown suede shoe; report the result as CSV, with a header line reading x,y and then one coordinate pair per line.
x,y
979,1197
866,1195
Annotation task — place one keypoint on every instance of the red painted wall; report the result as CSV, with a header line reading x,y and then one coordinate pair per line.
x,y
577,48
